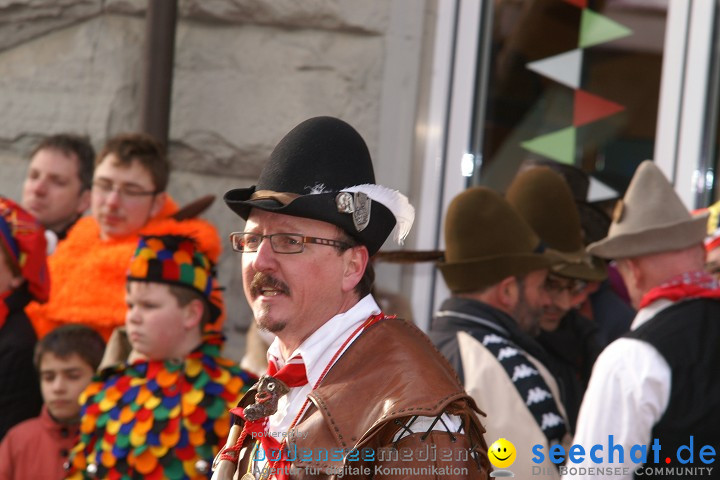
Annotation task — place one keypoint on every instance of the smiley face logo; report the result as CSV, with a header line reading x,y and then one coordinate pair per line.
x,y
502,453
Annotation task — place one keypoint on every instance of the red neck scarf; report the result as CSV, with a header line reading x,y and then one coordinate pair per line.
x,y
688,285
293,374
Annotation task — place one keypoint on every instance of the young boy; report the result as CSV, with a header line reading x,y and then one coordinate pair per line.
x,y
66,359
163,411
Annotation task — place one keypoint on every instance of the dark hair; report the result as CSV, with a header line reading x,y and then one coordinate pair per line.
x,y
72,145
140,147
185,295
72,339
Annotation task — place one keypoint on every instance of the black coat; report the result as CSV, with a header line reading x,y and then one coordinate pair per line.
x,y
20,397
572,350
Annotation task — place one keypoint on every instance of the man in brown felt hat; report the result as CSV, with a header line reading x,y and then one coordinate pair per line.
x,y
495,267
347,387
660,383
607,304
545,201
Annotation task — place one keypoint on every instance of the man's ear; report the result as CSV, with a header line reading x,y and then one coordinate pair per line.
x,y
158,203
193,313
507,291
356,260
629,271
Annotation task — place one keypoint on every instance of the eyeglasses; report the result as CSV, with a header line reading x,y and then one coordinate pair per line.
x,y
126,192
245,242
555,284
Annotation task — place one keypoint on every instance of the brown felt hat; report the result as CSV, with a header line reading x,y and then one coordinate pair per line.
x,y
487,240
593,219
544,199
651,218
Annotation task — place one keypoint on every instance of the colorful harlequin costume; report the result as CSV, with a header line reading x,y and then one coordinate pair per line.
x,y
22,244
161,418
89,273
175,260
158,419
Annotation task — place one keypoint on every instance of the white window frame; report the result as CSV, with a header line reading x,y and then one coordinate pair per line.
x,y
681,115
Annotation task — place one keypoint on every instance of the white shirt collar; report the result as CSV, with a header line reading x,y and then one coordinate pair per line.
x,y
318,349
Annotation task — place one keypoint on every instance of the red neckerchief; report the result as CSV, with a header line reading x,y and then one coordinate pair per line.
x,y
696,284
293,374
275,452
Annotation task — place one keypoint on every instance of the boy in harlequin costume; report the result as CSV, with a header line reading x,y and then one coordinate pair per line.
x,y
163,412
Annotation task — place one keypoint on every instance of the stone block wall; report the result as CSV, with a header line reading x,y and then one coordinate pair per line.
x,y
246,72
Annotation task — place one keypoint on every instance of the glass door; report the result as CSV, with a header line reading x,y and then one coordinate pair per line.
x,y
599,84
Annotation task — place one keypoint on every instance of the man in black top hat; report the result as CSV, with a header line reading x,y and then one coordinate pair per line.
x,y
347,386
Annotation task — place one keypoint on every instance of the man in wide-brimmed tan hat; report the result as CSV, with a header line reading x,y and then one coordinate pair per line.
x,y
545,201
495,267
660,383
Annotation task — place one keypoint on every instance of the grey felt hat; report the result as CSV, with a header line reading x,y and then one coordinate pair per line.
x,y
651,218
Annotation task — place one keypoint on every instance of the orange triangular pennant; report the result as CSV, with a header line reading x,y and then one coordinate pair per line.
x,y
589,107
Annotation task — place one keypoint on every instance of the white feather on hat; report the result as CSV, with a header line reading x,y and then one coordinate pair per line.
x,y
395,201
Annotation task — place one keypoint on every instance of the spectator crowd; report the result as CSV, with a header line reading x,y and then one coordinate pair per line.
x,y
567,323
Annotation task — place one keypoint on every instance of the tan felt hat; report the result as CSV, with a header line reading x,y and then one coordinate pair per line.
x,y
651,218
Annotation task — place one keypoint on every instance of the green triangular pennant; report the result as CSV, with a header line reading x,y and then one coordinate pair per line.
x,y
559,145
596,28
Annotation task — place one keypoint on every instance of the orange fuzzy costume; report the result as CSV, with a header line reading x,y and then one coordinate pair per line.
x,y
88,274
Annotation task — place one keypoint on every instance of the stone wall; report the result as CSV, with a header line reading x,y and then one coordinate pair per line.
x,y
246,72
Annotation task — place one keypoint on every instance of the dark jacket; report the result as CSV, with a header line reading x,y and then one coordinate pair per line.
x,y
505,371
20,397
443,331
572,349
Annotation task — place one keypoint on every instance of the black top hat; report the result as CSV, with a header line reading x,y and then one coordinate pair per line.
x,y
322,170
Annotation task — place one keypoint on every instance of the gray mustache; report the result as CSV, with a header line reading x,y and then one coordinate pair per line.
x,y
263,280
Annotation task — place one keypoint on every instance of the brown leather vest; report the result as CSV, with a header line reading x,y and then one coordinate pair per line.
x,y
388,375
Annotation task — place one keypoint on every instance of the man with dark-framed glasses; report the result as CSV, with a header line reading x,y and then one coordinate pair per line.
x,y
545,201
245,242
347,386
